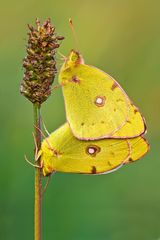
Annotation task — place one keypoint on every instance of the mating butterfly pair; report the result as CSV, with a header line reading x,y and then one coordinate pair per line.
x,y
104,129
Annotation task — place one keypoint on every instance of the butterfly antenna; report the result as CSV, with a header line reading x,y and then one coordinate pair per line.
x,y
63,57
74,34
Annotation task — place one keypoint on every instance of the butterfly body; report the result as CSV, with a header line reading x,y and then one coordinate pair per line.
x,y
96,105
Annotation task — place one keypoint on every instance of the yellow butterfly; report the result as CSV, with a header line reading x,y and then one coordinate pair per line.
x,y
96,105
62,152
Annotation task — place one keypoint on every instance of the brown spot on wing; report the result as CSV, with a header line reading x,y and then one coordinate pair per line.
x,y
119,100
135,110
55,152
115,85
94,170
109,163
75,79
128,121
130,160
112,153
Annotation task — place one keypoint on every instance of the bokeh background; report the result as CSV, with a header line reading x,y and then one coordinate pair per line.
x,y
122,38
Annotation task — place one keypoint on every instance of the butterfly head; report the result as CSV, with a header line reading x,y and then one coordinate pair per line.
x,y
74,58
48,156
70,66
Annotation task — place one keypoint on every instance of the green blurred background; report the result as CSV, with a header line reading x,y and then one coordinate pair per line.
x,y
122,38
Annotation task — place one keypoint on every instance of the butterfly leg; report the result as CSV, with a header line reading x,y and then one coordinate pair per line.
x,y
49,145
32,164
44,126
36,156
58,86
47,183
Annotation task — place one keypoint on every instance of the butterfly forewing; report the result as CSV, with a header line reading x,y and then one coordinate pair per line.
x,y
96,106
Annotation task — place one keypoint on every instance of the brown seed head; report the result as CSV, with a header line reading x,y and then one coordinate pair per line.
x,y
40,64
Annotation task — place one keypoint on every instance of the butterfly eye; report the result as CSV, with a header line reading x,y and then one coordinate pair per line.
x,y
100,101
92,150
73,58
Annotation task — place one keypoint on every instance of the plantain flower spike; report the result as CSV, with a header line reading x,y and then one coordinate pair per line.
x,y
40,63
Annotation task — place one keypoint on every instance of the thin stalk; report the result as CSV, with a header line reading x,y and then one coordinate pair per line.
x,y
39,73
38,175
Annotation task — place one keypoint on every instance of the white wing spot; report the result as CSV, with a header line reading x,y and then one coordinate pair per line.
x,y
92,150
100,101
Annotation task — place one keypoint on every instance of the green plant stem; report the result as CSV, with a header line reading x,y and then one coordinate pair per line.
x,y
38,180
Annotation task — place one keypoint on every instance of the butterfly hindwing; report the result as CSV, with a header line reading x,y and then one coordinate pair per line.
x,y
88,157
138,148
134,126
